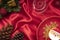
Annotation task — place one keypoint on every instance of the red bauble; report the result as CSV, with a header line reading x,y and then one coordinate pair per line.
x,y
3,11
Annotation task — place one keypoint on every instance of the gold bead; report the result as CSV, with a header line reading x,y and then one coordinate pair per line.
x,y
11,3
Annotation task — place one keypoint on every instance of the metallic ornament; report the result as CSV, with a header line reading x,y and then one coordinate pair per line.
x,y
11,3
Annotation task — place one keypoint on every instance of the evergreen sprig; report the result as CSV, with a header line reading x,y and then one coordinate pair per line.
x,y
10,5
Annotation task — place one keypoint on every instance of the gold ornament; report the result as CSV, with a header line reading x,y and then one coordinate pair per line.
x,y
11,3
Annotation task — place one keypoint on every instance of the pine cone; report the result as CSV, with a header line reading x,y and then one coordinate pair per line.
x,y
5,33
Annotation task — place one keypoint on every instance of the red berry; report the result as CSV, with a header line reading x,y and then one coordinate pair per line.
x,y
3,11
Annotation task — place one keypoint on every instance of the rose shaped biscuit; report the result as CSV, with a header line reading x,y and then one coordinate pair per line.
x,y
49,29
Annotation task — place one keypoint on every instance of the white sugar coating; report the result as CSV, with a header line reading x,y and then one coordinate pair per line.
x,y
54,35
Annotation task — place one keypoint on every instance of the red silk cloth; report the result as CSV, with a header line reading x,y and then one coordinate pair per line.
x,y
28,20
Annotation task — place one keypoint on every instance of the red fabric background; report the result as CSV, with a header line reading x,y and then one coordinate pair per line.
x,y
27,20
